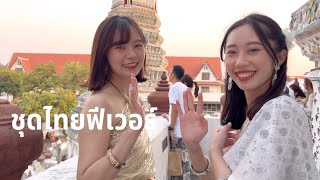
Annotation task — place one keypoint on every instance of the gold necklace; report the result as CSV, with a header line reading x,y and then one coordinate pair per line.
x,y
125,97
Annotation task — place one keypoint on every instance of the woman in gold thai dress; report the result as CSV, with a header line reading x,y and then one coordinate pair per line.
x,y
117,60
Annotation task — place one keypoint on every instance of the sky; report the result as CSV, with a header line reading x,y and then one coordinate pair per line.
x,y
189,27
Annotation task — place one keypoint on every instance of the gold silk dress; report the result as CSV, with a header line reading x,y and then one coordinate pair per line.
x,y
140,164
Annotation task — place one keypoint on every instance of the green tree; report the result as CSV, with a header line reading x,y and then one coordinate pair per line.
x,y
44,77
75,74
11,82
61,100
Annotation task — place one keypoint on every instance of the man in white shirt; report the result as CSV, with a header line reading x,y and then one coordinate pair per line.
x,y
176,93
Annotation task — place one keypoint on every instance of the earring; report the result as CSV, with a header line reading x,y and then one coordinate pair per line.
x,y
229,83
276,68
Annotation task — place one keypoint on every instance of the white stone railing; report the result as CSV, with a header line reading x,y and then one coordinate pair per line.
x,y
305,15
305,24
314,76
158,135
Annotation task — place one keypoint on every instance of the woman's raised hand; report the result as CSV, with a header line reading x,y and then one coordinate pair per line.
x,y
192,123
135,105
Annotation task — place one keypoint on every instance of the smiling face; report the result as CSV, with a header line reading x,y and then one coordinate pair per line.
x,y
247,61
126,58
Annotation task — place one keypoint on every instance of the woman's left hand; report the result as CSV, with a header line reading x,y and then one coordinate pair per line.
x,y
232,137
219,140
135,105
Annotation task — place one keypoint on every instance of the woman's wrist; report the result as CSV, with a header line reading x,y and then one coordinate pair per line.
x,y
198,161
216,151
204,171
193,148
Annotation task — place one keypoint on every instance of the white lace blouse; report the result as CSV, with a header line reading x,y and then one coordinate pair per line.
x,y
275,145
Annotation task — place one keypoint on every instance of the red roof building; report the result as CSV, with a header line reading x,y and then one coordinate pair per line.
x,y
206,71
193,65
27,62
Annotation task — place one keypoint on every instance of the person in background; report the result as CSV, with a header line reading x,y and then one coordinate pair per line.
x,y
308,103
289,92
118,61
296,82
286,91
275,140
176,94
298,93
188,81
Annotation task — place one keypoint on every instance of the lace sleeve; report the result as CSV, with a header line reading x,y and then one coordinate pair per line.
x,y
276,145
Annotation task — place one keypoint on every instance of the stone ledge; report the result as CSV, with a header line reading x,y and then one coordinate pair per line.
x,y
157,131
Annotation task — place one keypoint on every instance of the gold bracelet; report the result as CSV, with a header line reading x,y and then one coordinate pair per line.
x,y
113,160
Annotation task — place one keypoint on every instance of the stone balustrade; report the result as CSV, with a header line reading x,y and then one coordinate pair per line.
x,y
305,15
305,24
157,129
158,134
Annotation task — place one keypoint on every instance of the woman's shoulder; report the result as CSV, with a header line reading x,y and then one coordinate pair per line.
x,y
96,100
282,108
283,100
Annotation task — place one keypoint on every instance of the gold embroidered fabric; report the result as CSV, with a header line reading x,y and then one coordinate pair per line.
x,y
140,164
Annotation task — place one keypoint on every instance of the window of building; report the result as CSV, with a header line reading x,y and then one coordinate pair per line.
x,y
212,107
222,89
127,1
155,74
155,6
204,88
19,69
18,63
205,67
159,75
205,76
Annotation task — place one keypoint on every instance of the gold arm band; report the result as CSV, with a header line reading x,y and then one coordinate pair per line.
x,y
113,160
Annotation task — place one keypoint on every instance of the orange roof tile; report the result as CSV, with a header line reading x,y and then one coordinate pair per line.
x,y
25,63
31,60
193,65
290,78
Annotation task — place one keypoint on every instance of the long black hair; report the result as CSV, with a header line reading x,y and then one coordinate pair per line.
x,y
188,81
274,41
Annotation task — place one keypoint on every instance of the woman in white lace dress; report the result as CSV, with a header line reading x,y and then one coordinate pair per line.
x,y
275,139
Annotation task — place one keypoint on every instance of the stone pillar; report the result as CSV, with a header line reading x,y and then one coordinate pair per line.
x,y
314,76
160,98
16,153
305,24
